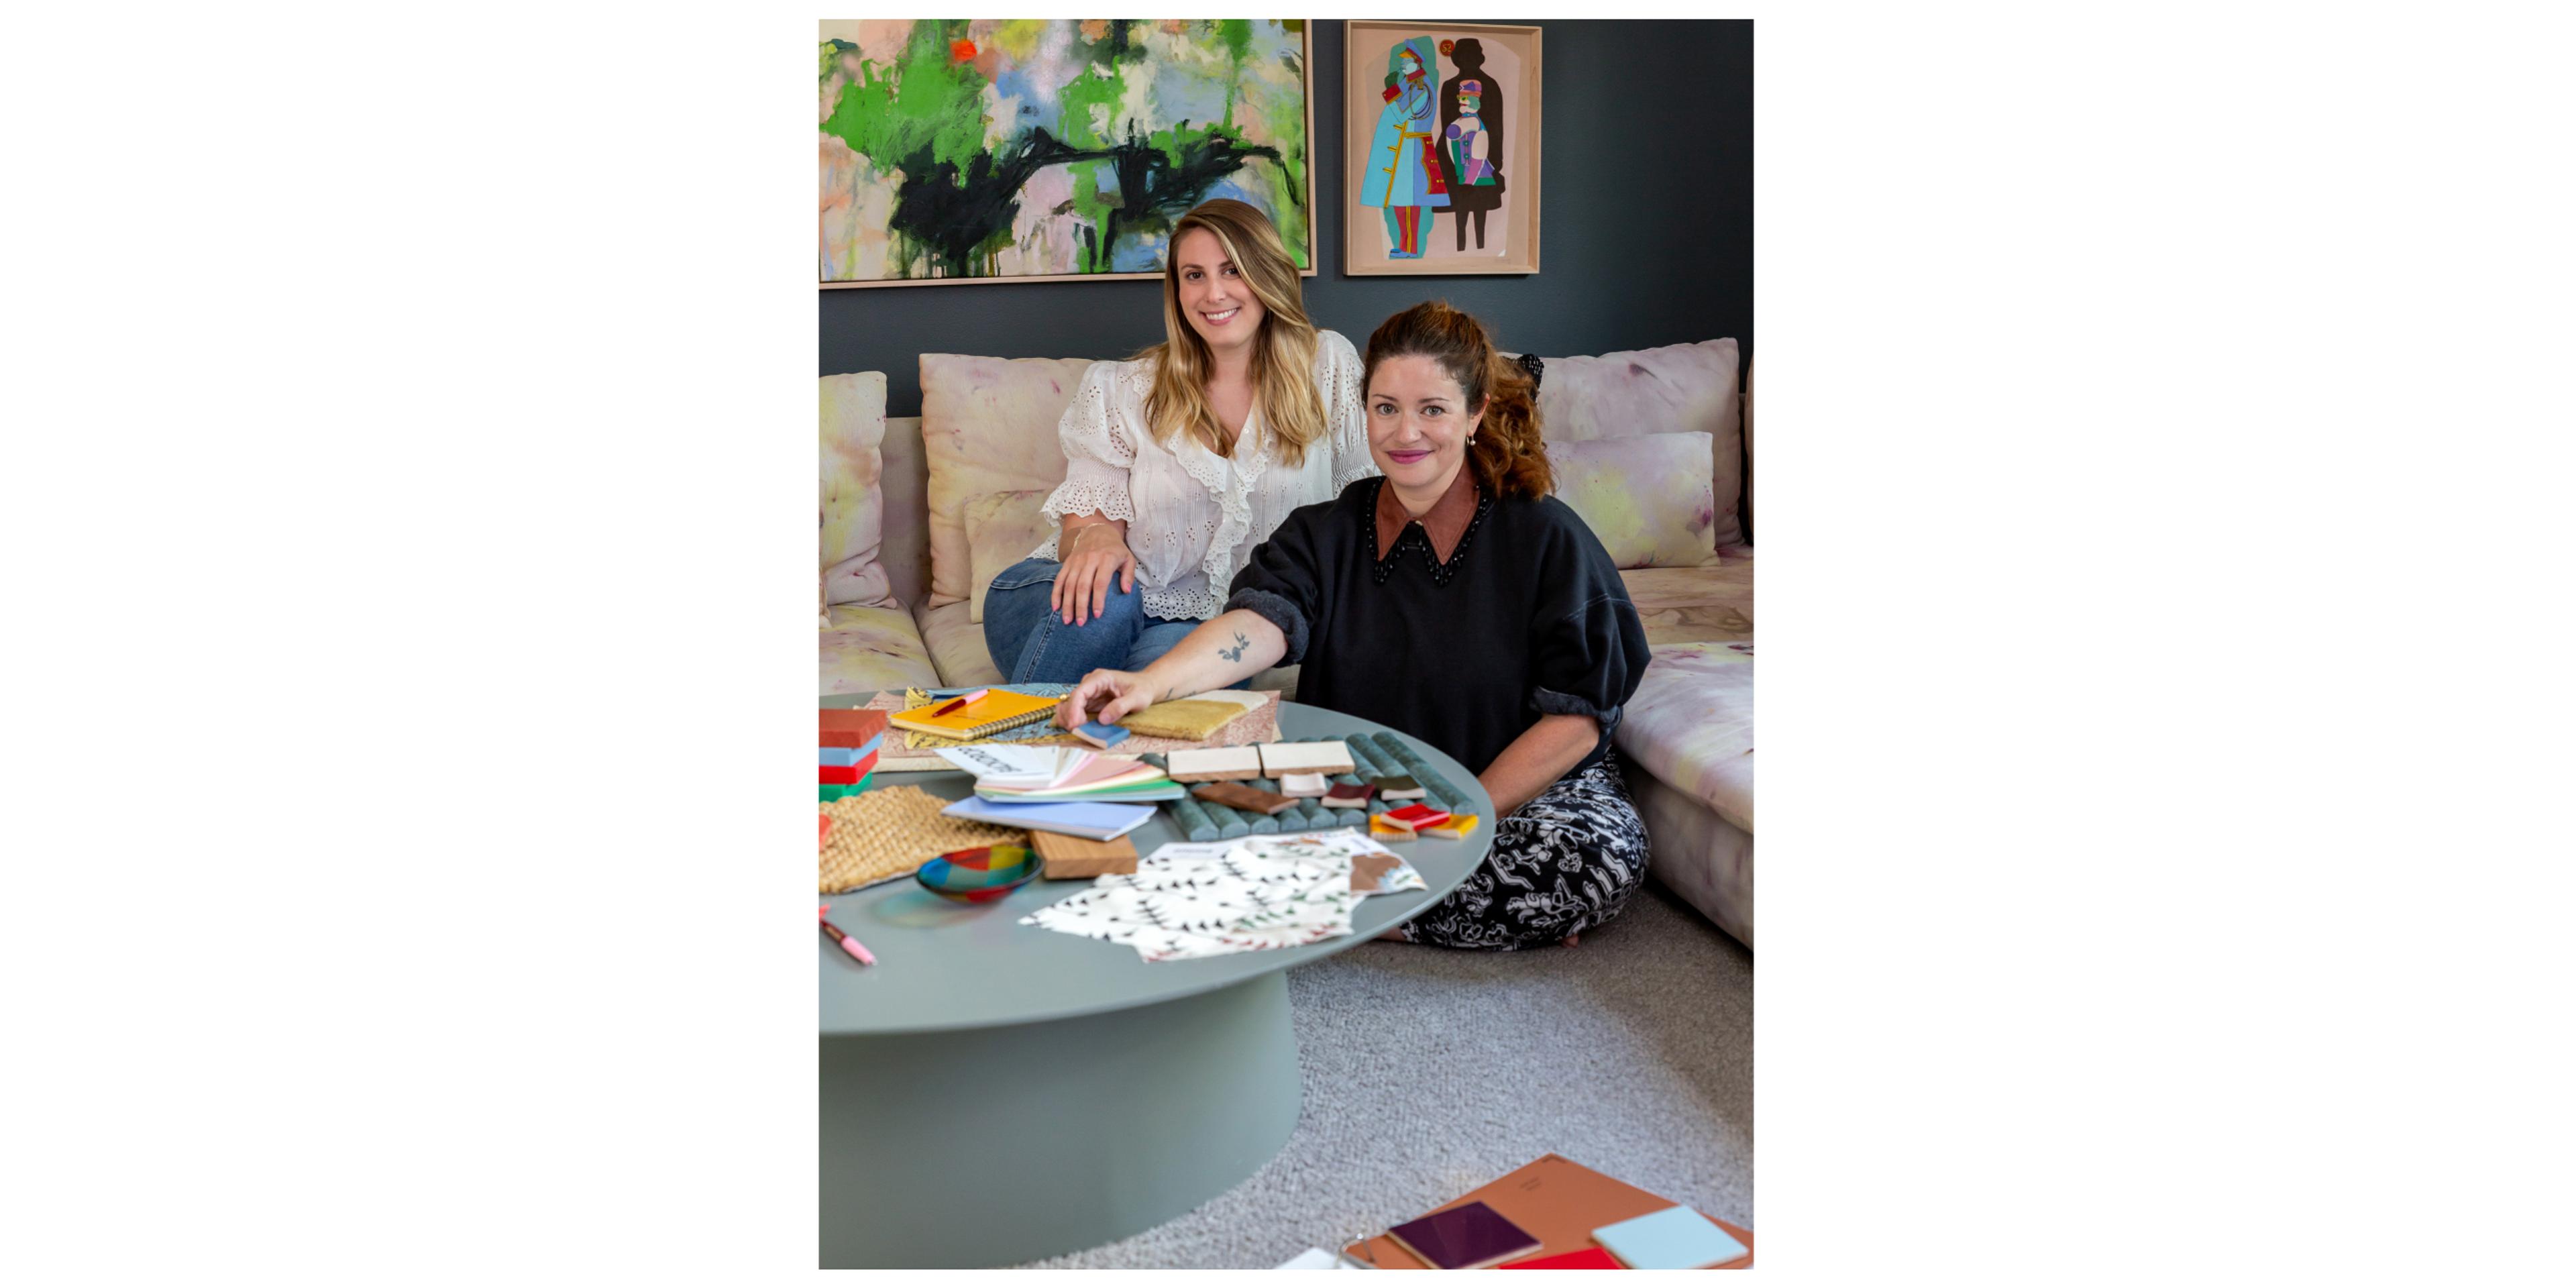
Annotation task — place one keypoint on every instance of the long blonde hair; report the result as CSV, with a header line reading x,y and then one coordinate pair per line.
x,y
1283,355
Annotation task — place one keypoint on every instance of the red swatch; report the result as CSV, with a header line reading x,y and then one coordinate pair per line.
x,y
1580,1259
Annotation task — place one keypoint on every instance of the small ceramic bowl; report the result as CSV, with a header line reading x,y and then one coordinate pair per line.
x,y
979,875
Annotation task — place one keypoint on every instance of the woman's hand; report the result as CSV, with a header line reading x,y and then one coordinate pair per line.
x,y
1094,557
1115,693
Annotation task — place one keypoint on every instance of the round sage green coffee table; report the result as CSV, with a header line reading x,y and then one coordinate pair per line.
x,y
994,1093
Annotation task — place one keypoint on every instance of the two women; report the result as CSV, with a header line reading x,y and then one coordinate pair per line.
x,y
1452,598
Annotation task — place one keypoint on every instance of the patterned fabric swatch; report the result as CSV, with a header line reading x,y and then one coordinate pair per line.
x,y
1209,899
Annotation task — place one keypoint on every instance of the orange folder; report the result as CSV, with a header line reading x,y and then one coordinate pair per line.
x,y
1560,1202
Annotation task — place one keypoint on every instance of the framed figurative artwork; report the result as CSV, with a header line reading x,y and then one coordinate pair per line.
x,y
1442,139
1043,149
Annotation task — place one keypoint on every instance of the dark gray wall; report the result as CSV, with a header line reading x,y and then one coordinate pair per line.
x,y
1646,228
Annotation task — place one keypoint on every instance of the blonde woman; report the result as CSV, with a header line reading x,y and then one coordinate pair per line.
x,y
1182,459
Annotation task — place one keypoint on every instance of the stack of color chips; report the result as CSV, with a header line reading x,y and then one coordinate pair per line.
x,y
849,751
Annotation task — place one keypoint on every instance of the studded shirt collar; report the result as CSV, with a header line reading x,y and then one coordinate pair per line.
x,y
1444,524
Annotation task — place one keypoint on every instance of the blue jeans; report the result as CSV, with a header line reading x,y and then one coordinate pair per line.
x,y
1031,645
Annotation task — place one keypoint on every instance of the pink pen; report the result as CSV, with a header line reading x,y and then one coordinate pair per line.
x,y
848,945
961,702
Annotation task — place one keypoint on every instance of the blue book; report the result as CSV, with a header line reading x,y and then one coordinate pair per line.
x,y
1096,820
851,755
1673,1239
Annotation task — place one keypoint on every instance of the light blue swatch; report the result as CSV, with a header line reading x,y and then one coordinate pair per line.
x,y
1673,1239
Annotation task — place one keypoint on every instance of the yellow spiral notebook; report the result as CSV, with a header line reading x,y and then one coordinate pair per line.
x,y
985,716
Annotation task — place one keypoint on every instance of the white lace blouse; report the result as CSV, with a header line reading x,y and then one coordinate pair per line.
x,y
1193,516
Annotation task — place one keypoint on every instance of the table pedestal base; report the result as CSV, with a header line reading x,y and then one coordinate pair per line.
x,y
990,1147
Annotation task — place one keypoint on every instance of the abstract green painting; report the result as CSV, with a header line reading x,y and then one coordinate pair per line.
x,y
979,149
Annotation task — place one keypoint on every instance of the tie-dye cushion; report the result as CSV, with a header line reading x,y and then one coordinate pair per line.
x,y
853,501
1675,389
1001,530
1647,498
873,648
987,425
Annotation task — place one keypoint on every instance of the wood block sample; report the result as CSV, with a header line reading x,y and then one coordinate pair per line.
x,y
1212,764
1237,796
1282,758
1067,857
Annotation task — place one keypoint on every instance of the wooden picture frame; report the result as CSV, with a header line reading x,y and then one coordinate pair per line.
x,y
852,186
1494,231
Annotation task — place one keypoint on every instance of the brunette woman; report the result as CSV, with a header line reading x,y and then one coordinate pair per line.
x,y
1454,599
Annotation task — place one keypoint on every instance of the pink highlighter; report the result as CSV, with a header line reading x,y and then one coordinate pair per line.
x,y
848,945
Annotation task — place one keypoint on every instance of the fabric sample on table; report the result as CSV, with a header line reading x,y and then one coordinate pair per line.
x,y
1183,902
1375,869
1191,718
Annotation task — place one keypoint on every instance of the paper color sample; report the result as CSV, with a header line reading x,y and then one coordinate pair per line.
x,y
1557,1199
1096,820
1673,1239
1470,1236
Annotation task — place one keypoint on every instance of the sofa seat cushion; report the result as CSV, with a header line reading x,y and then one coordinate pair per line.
x,y
1691,724
1690,605
1697,855
956,644
866,649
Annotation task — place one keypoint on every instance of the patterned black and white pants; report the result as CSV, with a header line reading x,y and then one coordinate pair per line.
x,y
1567,862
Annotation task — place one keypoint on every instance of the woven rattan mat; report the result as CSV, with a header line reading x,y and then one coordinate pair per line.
x,y
1259,724
886,832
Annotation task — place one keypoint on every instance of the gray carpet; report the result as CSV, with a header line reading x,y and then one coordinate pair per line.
x,y
1430,1072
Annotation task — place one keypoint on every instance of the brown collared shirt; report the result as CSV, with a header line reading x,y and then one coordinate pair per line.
x,y
1444,523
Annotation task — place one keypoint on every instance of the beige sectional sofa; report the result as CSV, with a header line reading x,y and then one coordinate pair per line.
x,y
1650,446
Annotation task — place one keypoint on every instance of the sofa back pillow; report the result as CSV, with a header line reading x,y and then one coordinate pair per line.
x,y
1678,388
1001,529
1647,498
905,552
987,425
853,501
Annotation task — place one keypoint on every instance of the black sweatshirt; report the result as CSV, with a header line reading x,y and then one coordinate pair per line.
x,y
1527,618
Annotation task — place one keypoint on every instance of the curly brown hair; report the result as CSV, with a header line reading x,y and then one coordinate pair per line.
x,y
1506,453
